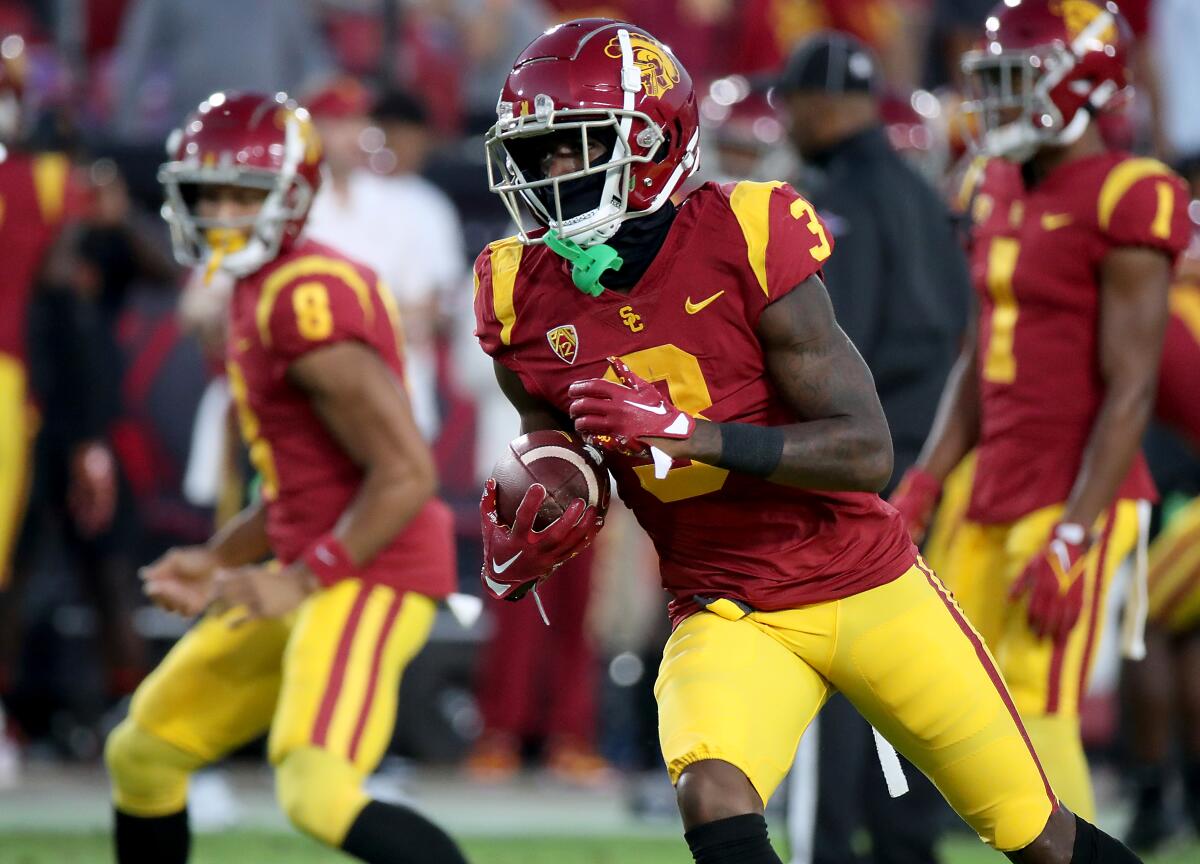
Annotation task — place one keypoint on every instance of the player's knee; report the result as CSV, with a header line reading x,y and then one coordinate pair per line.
x,y
149,776
321,794
713,789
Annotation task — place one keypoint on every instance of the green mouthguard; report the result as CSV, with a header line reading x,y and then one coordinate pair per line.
x,y
587,265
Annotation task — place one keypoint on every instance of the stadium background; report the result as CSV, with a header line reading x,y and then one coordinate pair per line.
x,y
106,81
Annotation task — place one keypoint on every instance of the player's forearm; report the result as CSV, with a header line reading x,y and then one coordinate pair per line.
x,y
837,454
955,428
1116,436
243,539
387,501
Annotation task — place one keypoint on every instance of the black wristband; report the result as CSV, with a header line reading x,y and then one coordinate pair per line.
x,y
754,450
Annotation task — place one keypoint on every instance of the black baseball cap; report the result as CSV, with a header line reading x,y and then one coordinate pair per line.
x,y
830,62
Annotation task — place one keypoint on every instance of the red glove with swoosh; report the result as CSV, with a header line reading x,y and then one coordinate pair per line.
x,y
621,416
1054,582
915,497
519,558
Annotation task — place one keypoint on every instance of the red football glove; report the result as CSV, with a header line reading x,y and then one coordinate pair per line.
x,y
517,559
915,497
621,416
1054,582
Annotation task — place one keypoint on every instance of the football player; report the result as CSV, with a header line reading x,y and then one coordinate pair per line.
x,y
696,344
1166,685
1072,247
38,195
309,647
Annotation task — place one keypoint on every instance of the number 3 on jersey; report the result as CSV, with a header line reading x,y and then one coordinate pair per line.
x,y
689,392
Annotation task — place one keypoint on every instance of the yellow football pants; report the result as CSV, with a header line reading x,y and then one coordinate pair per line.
x,y
1175,572
980,563
743,688
16,434
324,681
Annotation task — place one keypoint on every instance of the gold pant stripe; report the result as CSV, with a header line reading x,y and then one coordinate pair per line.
x,y
1175,570
222,686
1093,576
981,566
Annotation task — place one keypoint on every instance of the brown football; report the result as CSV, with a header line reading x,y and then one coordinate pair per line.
x,y
561,462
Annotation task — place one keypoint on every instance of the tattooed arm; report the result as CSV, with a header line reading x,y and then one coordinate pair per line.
x,y
841,443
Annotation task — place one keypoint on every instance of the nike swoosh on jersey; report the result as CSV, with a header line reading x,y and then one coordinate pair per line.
x,y
653,409
1054,221
500,568
692,308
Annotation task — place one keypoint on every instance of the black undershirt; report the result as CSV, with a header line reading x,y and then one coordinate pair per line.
x,y
637,242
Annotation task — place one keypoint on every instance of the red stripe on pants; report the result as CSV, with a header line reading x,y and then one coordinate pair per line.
x,y
992,672
373,681
337,674
1093,624
1054,684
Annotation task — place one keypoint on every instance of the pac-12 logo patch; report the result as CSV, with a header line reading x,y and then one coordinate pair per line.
x,y
564,341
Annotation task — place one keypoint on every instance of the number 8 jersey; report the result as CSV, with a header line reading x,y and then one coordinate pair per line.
x,y
1035,262
689,325
309,298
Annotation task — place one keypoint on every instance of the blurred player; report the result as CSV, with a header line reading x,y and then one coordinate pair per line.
x,y
309,647
39,196
1071,254
1164,689
752,459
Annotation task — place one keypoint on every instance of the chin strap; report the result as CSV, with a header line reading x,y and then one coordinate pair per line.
x,y
587,265
221,242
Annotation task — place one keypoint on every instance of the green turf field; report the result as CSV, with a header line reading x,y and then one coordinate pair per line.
x,y
258,847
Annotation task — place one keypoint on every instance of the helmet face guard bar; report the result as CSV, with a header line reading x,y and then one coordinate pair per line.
x,y
1010,93
1009,101
280,206
507,178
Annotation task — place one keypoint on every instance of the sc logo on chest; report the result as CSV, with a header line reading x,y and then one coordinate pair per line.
x,y
631,319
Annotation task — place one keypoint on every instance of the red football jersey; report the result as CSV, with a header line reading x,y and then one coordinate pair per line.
x,y
36,197
308,298
690,323
1035,256
1178,401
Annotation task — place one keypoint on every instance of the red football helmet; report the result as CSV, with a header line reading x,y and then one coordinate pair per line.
x,y
1045,68
12,85
241,139
593,81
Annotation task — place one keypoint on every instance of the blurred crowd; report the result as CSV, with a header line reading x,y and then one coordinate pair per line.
x,y
133,449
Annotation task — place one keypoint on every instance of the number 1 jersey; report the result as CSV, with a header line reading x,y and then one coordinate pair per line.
x,y
1036,256
689,326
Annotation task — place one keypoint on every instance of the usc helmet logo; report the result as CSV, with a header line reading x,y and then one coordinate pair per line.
x,y
308,132
1078,14
659,72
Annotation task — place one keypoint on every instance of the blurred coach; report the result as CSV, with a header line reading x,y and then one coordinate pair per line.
x,y
900,287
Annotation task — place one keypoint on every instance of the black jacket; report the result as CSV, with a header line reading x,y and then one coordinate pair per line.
x,y
897,277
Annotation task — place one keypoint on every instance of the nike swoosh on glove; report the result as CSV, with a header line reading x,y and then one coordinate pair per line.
x,y
1054,582
620,416
916,497
517,559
